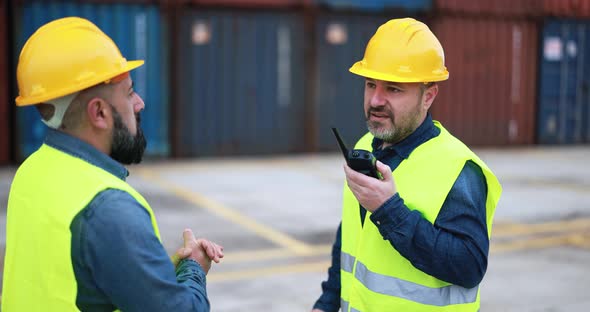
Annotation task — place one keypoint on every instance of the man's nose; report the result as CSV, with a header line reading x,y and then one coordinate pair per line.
x,y
378,97
139,104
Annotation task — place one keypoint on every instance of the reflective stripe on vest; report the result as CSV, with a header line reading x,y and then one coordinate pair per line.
x,y
396,287
344,306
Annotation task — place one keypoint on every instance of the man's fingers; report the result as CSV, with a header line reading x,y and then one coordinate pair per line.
x,y
384,170
188,236
219,250
180,254
352,175
208,248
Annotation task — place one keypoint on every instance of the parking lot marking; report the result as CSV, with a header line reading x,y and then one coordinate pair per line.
x,y
268,271
214,207
514,229
274,253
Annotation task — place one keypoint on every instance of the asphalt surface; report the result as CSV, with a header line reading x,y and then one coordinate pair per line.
x,y
277,216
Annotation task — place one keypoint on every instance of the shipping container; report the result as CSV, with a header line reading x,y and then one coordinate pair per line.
x,y
564,92
566,8
139,32
376,5
340,42
250,3
501,8
5,101
240,83
489,98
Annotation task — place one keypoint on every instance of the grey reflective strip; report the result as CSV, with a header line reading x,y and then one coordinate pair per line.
x,y
396,287
344,306
346,262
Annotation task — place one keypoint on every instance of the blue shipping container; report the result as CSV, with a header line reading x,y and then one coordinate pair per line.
x,y
377,5
241,83
341,41
564,93
139,33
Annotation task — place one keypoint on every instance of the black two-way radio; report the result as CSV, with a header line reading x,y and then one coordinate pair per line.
x,y
359,160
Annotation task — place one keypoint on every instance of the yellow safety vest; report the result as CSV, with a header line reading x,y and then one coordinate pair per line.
x,y
374,275
49,189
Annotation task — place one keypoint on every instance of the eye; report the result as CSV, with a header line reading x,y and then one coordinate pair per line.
x,y
370,85
393,89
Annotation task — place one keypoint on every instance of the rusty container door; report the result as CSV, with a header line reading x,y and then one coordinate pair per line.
x,y
489,99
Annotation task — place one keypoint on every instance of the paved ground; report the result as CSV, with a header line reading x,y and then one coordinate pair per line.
x,y
277,216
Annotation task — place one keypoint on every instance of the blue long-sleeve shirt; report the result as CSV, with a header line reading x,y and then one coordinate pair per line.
x,y
118,261
453,249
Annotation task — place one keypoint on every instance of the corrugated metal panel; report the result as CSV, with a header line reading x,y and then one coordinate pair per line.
x,y
376,5
139,33
240,83
341,41
252,3
567,8
5,102
502,8
489,98
564,94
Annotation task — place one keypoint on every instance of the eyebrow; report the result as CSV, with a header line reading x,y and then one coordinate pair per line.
x,y
388,83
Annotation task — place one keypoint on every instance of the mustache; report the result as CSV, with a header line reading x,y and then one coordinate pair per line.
x,y
380,109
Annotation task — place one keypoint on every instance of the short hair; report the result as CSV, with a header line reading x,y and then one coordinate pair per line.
x,y
72,117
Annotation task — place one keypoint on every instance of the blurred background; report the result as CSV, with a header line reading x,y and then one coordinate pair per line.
x,y
263,77
240,97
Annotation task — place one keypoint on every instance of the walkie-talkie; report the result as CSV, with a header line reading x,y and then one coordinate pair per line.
x,y
359,160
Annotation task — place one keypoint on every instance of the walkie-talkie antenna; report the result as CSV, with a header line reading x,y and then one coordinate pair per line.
x,y
341,143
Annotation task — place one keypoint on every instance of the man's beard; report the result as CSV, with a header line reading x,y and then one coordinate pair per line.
x,y
395,133
126,148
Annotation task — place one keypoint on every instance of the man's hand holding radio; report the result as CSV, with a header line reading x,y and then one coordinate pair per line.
x,y
371,193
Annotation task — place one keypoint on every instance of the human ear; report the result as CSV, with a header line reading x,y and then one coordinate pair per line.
x,y
429,96
98,113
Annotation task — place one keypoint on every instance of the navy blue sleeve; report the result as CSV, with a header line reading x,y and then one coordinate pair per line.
x,y
119,262
329,301
453,249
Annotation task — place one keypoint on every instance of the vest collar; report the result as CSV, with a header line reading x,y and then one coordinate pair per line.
x,y
80,149
405,147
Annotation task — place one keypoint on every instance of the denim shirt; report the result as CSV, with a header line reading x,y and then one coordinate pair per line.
x,y
453,249
118,261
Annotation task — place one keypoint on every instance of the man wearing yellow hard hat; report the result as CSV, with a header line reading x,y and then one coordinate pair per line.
x,y
417,239
78,237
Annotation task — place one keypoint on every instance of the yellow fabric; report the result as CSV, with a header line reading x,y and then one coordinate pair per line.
x,y
80,55
49,189
423,181
403,50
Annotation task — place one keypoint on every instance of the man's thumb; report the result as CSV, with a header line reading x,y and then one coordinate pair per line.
x,y
384,170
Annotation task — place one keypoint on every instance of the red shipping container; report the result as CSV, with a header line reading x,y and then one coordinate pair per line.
x,y
489,99
567,8
504,8
5,116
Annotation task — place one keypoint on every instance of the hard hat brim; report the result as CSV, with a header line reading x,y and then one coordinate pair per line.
x,y
32,100
359,69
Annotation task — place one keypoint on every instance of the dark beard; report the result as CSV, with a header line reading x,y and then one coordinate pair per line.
x,y
126,148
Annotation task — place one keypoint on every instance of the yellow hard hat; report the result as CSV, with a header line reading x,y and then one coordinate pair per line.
x,y
66,56
403,50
